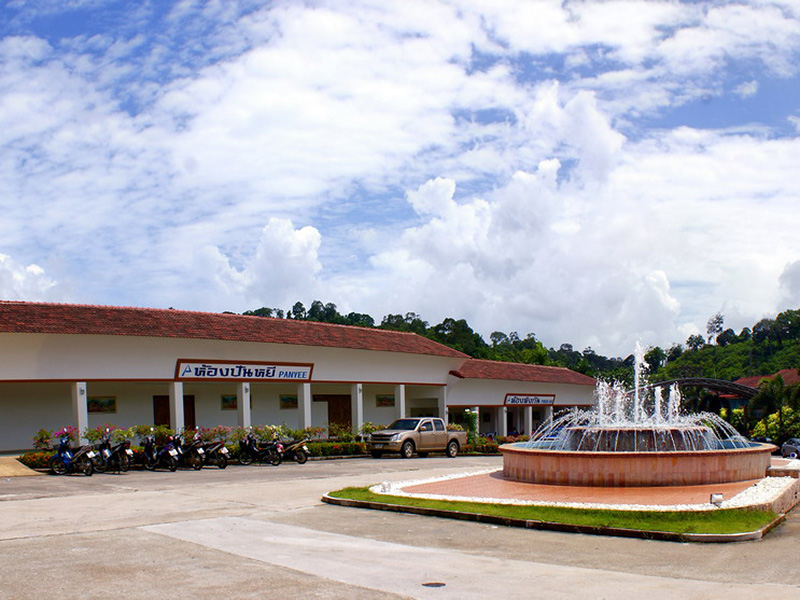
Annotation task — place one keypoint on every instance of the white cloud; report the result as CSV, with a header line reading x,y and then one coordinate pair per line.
x,y
476,159
25,282
790,285
747,89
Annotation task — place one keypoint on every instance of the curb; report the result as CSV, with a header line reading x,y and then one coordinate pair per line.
x,y
664,536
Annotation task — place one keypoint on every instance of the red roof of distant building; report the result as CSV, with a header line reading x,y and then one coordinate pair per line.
x,y
490,369
31,317
790,376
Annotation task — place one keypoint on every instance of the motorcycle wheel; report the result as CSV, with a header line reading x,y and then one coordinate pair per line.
x,y
222,462
57,466
124,463
150,465
86,467
301,457
196,461
274,458
245,458
172,464
99,465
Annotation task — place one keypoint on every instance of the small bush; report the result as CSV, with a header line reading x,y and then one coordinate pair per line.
x,y
43,439
337,448
36,460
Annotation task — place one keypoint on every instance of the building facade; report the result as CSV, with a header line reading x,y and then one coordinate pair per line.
x,y
86,366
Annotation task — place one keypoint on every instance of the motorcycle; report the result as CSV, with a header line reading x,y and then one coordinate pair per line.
x,y
154,457
250,450
68,461
112,457
216,454
297,451
192,455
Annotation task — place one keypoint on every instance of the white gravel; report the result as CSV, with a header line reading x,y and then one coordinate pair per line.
x,y
766,490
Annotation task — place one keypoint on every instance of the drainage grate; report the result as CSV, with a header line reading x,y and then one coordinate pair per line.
x,y
434,584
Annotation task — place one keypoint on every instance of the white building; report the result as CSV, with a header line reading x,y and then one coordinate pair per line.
x,y
90,365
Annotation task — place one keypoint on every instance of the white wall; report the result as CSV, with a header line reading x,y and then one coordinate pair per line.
x,y
28,407
99,357
492,392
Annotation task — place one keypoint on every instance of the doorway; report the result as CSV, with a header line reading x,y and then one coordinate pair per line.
x,y
161,412
340,409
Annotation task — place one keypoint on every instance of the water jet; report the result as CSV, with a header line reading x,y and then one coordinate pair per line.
x,y
636,437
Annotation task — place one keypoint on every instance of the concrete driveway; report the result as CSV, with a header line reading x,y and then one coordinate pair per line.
x,y
261,531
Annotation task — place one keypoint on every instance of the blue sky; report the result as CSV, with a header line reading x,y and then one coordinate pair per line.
x,y
592,172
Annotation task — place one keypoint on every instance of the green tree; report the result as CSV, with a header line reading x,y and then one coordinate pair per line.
x,y
714,327
695,342
655,357
298,312
774,396
727,338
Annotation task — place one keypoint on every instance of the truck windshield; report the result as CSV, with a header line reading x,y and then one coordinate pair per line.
x,y
404,424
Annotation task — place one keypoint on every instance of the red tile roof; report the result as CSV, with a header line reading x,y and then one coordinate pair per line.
x,y
790,376
490,369
30,317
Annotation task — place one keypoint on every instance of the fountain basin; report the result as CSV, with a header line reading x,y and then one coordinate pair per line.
x,y
632,469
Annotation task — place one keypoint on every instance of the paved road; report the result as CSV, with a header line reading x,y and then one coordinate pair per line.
x,y
258,532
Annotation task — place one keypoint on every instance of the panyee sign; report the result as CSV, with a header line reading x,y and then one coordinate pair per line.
x,y
530,399
204,370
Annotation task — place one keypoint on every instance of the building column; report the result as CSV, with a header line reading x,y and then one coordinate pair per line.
x,y
357,406
441,402
528,429
80,410
548,414
243,404
477,411
400,401
502,421
304,404
176,418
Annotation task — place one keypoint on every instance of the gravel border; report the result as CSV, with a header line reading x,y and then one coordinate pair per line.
x,y
765,491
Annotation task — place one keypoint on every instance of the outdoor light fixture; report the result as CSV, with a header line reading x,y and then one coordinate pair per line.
x,y
716,499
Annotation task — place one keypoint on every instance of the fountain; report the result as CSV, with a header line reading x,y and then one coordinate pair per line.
x,y
635,438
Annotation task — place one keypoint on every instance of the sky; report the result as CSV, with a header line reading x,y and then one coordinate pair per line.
x,y
593,173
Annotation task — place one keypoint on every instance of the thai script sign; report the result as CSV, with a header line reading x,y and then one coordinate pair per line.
x,y
530,399
243,371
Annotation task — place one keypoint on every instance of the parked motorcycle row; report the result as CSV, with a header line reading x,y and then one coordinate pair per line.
x,y
174,453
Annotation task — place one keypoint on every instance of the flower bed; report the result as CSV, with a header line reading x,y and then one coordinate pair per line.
x,y
36,460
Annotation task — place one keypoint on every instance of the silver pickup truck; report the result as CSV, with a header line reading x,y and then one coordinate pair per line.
x,y
416,434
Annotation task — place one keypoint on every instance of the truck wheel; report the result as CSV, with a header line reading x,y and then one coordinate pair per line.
x,y
407,450
376,453
452,449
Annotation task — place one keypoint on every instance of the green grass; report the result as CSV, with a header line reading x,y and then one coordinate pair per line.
x,y
722,521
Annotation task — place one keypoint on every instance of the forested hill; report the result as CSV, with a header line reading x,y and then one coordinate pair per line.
x,y
767,347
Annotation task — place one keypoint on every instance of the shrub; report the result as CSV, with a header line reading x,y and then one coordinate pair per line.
x,y
94,434
43,440
482,445
367,428
337,448
471,420
340,432
221,433
69,432
36,460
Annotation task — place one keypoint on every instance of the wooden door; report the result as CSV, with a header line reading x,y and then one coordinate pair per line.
x,y
340,409
161,412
